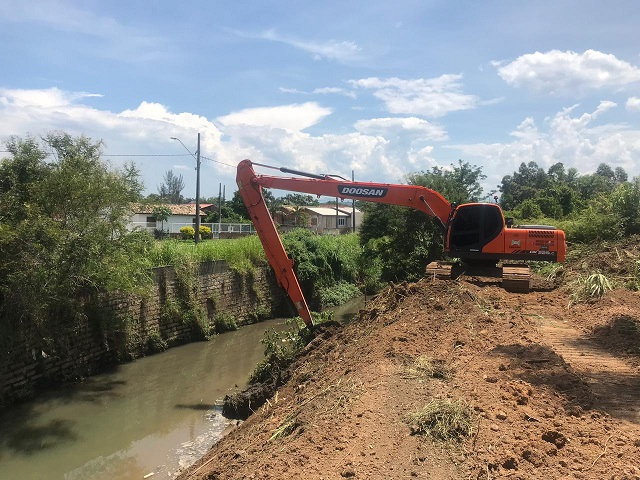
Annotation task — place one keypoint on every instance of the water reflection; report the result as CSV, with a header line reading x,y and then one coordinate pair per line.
x,y
156,415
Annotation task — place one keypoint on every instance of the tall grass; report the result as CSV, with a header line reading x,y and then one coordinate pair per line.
x,y
242,254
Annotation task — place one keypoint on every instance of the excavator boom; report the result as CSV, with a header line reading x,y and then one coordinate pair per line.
x,y
250,186
474,232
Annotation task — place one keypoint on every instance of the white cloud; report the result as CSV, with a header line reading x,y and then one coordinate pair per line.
x,y
291,117
571,139
379,149
402,126
321,91
633,104
334,91
144,130
340,51
566,72
434,97
47,98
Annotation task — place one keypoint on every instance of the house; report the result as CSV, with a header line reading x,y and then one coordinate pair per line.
x,y
181,215
324,220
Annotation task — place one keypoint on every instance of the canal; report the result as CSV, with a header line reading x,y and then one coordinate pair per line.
x,y
145,419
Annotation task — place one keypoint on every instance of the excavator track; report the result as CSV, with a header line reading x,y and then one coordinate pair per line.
x,y
516,278
440,270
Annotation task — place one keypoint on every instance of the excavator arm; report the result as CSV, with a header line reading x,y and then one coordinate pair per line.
x,y
250,186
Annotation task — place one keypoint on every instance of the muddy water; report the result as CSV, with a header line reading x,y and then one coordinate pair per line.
x,y
152,416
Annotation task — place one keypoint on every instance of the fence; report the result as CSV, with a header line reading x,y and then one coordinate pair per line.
x,y
217,229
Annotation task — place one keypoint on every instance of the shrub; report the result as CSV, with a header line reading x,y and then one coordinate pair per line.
x,y
224,322
155,343
591,287
530,209
188,233
205,232
338,294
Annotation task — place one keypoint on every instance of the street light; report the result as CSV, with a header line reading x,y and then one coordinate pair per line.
x,y
197,157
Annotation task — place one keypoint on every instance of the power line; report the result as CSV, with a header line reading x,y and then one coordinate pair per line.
x,y
154,155
129,154
146,155
217,161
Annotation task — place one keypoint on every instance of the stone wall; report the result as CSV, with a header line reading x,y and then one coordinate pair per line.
x,y
124,327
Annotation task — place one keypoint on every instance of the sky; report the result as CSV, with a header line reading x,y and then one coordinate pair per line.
x,y
378,88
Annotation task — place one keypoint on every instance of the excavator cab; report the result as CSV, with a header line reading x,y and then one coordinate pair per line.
x,y
473,226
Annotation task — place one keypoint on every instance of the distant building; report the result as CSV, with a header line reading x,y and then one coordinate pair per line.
x,y
323,220
181,216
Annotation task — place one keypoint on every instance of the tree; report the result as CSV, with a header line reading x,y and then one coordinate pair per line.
x,y
458,184
238,207
170,190
161,213
525,184
63,234
299,200
402,240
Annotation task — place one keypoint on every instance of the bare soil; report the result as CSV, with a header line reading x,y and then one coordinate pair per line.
x,y
553,389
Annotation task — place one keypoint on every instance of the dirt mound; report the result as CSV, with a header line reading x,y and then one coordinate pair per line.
x,y
509,363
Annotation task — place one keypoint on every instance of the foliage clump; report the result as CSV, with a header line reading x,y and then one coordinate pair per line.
x,y
281,349
205,232
592,286
188,233
63,234
224,322
324,264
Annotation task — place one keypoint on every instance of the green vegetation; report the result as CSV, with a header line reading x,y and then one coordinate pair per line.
x,y
242,254
325,265
398,242
281,348
593,207
224,322
63,236
338,294
592,286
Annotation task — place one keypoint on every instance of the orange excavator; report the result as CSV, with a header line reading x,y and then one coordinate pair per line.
x,y
475,233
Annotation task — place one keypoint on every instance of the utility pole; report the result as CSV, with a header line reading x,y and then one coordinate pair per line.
x,y
197,157
219,209
353,208
197,236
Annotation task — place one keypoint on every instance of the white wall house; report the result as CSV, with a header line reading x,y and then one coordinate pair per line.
x,y
324,220
181,215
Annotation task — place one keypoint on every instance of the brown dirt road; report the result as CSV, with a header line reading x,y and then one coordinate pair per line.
x,y
554,391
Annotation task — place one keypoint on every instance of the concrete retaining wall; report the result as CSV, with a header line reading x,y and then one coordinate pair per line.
x,y
124,327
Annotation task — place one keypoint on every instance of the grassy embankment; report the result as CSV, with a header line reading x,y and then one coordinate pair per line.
x,y
328,267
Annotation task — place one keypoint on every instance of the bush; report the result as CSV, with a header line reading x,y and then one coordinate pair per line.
x,y
530,209
593,286
188,233
205,232
338,294
224,322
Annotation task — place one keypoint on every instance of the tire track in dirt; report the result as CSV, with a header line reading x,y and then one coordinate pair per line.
x,y
614,383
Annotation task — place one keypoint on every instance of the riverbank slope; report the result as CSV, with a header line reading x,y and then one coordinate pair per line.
x,y
552,391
